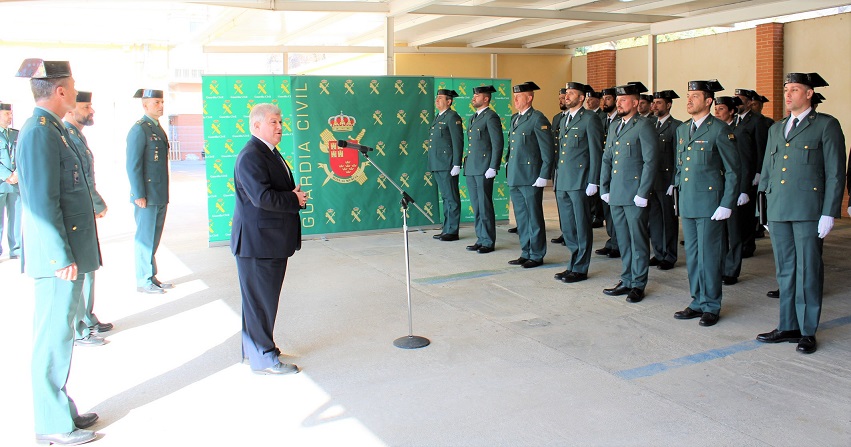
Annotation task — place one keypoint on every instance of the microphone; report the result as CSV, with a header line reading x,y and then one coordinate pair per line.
x,y
349,144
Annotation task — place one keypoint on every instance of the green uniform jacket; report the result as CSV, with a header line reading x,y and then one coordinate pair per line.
x,y
485,143
629,161
667,166
446,141
579,152
530,148
7,160
58,222
804,174
707,168
88,160
147,162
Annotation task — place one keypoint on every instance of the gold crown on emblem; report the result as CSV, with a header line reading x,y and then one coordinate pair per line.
x,y
342,123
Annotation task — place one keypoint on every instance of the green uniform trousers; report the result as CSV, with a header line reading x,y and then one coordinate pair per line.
x,y
574,209
87,318
704,241
481,199
528,204
634,243
149,230
448,186
57,304
11,203
800,274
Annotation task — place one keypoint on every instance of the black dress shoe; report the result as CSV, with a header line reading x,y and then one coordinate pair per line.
x,y
512,230
278,369
778,336
807,345
575,277
437,236
687,314
729,280
558,240
449,237
653,262
773,293
484,249
597,224
531,263
560,275
85,420
474,247
602,251
90,340
614,254
100,328
518,261
150,288
708,319
682,242
76,437
617,290
13,257
747,254
635,295
665,265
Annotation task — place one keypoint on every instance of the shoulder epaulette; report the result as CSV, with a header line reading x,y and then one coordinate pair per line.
x,y
140,121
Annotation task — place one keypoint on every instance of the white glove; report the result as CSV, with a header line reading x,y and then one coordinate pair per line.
x,y
825,223
722,213
605,197
490,173
455,171
849,210
639,202
743,199
540,183
670,191
756,179
591,190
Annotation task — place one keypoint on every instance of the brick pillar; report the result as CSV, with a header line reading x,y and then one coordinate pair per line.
x,y
601,69
769,67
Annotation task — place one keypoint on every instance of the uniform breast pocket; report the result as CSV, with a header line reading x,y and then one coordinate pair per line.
x,y
576,140
477,134
706,155
155,150
809,153
72,174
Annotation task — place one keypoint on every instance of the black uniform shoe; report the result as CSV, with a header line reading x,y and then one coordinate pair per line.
x,y
518,261
75,437
635,296
474,247
614,254
85,420
575,277
560,276
708,319
773,293
531,263
729,280
777,336
484,249
449,237
665,265
602,251
653,262
617,290
597,224
437,236
512,230
558,240
687,314
807,345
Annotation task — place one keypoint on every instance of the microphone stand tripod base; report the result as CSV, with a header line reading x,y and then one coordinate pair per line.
x,y
411,342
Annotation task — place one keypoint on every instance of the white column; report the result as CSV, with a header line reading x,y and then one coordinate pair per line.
x,y
389,51
651,63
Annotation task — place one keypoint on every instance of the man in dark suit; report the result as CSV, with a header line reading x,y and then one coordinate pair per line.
x,y
266,232
446,145
803,177
664,225
556,129
751,134
61,245
603,211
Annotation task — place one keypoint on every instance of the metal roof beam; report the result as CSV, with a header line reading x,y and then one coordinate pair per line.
x,y
304,5
524,13
375,49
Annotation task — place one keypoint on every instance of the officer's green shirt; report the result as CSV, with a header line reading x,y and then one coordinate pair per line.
x,y
86,157
147,162
446,141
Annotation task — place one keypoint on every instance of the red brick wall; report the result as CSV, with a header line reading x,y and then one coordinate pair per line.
x,y
769,67
601,67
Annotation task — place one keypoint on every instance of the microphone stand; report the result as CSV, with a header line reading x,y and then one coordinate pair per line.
x,y
409,341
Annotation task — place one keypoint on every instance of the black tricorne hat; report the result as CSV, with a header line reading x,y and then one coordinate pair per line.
x,y
711,86
750,94
611,91
447,92
148,93
527,86
811,79
666,94
732,102
5,106
484,89
84,96
576,86
42,69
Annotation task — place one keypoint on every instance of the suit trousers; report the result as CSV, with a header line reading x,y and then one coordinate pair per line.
x,y
732,265
481,199
800,274
11,203
664,226
748,223
87,318
704,240
149,230
574,209
634,242
448,186
260,282
611,231
528,204
57,306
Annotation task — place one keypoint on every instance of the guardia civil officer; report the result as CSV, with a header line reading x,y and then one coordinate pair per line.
x,y
484,156
530,157
557,120
626,179
89,326
645,106
593,100
609,107
60,246
664,225
147,168
446,146
577,164
739,221
708,182
803,178
10,195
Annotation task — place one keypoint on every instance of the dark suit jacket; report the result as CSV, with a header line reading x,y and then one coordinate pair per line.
x,y
667,153
265,219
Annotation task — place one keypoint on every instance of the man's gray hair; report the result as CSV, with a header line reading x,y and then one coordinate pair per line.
x,y
259,111
44,88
